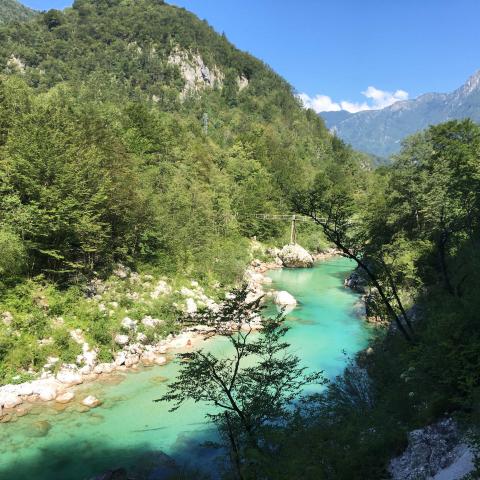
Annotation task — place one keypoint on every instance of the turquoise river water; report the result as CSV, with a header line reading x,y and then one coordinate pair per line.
x,y
130,429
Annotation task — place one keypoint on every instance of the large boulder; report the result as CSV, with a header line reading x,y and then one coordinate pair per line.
x,y
295,256
69,377
9,400
46,391
284,299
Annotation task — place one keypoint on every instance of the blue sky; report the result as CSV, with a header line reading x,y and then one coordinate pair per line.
x,y
332,51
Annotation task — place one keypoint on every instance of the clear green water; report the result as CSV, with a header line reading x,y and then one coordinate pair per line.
x,y
128,424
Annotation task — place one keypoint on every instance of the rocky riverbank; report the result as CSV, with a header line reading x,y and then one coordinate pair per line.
x,y
57,381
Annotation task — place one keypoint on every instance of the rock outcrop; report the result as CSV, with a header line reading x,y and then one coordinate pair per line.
x,y
295,256
196,74
433,451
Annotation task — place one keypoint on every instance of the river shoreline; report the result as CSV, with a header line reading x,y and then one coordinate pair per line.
x,y
61,389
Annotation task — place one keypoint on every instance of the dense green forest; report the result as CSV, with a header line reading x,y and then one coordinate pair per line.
x,y
132,133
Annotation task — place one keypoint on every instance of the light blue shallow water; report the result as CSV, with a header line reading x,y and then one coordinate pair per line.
x,y
128,424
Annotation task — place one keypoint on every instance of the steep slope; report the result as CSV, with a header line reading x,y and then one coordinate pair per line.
x,y
13,11
380,132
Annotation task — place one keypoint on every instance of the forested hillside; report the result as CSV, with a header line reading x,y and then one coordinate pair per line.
x,y
132,132
13,11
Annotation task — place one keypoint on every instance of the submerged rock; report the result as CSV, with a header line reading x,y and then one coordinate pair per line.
x,y
40,429
91,401
65,397
295,256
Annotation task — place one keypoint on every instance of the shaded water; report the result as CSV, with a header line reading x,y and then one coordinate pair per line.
x,y
69,444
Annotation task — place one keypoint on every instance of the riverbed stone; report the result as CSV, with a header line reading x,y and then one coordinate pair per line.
x,y
69,377
284,299
40,429
46,392
131,360
91,401
120,358
65,397
9,400
160,360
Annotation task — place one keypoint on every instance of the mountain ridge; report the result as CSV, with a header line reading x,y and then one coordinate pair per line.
x,y
380,132
13,11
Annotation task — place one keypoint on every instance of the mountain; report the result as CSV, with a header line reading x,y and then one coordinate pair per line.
x,y
380,132
13,11
204,135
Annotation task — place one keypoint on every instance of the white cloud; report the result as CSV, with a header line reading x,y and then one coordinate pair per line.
x,y
319,103
376,99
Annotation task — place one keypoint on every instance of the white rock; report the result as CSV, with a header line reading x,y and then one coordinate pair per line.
x,y
284,298
9,400
186,292
160,360
120,358
191,306
162,288
47,393
121,271
131,360
180,341
23,389
91,401
77,336
150,322
69,377
121,339
141,337
86,370
129,324
65,397
148,357
254,294
7,318
295,256
103,368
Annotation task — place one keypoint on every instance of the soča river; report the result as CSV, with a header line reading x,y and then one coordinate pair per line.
x,y
51,444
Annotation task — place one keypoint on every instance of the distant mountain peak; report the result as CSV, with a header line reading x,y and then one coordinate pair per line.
x,y
472,84
381,132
